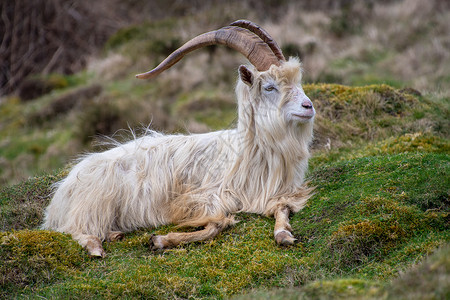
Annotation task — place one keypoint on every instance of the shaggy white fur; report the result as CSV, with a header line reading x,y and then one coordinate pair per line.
x,y
196,180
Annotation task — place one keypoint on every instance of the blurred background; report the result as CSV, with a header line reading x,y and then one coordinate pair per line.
x,y
67,67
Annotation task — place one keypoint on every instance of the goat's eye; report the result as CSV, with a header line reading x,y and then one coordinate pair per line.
x,y
270,88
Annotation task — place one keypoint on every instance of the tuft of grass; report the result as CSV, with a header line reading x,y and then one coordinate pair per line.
x,y
22,206
352,115
385,225
428,280
339,101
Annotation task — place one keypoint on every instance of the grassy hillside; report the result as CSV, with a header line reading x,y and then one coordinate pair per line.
x,y
371,218
378,223
379,209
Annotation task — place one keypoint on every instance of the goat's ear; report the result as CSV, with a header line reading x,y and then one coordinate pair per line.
x,y
246,75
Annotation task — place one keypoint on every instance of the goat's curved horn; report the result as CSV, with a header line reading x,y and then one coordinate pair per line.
x,y
264,35
256,50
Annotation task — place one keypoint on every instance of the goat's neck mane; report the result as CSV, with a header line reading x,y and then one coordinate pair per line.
x,y
261,127
272,153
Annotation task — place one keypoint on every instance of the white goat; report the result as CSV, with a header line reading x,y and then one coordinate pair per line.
x,y
200,180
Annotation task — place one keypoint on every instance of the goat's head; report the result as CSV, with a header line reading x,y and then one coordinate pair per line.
x,y
276,94
272,84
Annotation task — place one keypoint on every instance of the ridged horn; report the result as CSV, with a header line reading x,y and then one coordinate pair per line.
x,y
264,35
255,49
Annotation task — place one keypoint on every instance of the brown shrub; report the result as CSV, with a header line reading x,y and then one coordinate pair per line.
x,y
49,36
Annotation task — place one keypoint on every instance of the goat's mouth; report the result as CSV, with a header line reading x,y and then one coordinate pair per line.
x,y
306,116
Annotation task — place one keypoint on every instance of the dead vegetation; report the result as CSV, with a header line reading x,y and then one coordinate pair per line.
x,y
49,36
409,38
347,42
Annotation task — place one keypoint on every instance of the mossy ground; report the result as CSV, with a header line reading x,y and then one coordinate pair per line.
x,y
371,219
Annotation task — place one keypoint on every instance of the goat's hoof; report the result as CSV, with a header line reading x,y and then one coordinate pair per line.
x,y
97,252
115,236
94,247
284,238
155,243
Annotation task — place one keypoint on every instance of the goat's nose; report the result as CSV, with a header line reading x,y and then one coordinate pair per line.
x,y
307,104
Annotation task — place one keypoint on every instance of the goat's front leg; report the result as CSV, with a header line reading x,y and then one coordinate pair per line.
x,y
282,230
173,239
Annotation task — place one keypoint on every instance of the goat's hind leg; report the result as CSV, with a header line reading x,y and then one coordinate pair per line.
x,y
93,244
282,230
173,239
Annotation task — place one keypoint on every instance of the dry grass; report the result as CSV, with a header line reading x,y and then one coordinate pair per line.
x,y
403,40
402,43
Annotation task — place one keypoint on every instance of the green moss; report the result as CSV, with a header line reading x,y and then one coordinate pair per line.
x,y
384,226
360,100
417,142
36,257
427,280
409,142
369,209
